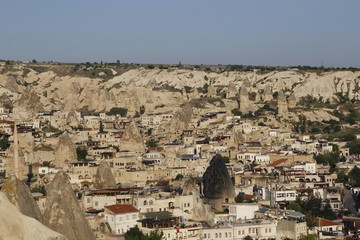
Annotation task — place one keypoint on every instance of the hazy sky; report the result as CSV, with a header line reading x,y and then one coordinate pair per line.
x,y
249,32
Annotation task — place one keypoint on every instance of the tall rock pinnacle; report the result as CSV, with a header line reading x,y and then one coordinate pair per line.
x,y
62,210
217,185
104,178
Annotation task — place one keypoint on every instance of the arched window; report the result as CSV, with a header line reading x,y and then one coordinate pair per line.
x,y
145,203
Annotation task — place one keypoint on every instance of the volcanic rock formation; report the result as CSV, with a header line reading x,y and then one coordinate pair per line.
x,y
104,178
232,91
62,210
132,139
19,195
16,226
217,185
65,151
282,104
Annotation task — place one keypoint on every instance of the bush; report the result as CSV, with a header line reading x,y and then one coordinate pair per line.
x,y
236,112
179,177
81,153
152,143
121,111
187,89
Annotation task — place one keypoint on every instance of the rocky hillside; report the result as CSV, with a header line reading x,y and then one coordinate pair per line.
x,y
156,89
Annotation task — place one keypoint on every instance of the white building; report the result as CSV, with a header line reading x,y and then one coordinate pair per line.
x,y
288,195
242,210
121,217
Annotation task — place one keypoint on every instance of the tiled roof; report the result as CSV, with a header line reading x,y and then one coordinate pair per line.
x,y
277,162
121,208
322,222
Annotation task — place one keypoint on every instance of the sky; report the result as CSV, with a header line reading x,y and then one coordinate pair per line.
x,y
247,32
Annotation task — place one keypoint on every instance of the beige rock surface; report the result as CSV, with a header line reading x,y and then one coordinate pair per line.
x,y
19,194
16,226
65,151
150,88
104,178
132,139
62,210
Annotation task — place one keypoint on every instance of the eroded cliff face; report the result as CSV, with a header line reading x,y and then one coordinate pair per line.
x,y
62,210
19,194
153,88
16,226
104,178
65,151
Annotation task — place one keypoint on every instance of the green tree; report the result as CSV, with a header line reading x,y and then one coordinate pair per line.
x,y
187,89
152,143
115,110
330,158
354,176
134,233
142,110
295,206
149,131
239,198
155,235
226,159
81,153
309,237
179,177
236,112
101,127
248,238
48,164
4,141
342,177
354,146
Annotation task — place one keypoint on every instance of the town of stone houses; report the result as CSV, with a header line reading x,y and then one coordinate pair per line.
x,y
178,153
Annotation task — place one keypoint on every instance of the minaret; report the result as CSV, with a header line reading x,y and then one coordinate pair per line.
x,y
16,152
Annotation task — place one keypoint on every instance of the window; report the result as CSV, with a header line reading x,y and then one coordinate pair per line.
x,y
127,217
134,216
269,230
96,203
120,218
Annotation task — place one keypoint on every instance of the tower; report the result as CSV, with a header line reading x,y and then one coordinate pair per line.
x,y
16,152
